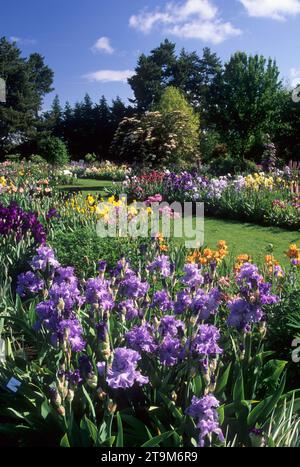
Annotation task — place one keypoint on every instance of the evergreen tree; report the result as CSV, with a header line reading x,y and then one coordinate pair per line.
x,y
52,119
189,72
104,130
153,73
118,111
27,81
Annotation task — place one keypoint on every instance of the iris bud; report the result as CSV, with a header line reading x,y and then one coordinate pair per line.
x,y
92,381
61,411
112,406
70,395
101,394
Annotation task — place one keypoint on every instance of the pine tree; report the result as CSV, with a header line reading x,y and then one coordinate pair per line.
x,y
27,81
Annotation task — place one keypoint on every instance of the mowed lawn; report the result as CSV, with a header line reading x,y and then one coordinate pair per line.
x,y
241,237
248,238
88,186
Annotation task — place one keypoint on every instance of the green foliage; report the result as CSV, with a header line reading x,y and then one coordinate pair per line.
x,y
13,157
27,81
229,165
283,429
161,68
85,248
248,167
287,135
53,150
90,158
208,142
88,127
245,101
181,120
172,100
37,159
223,166
151,74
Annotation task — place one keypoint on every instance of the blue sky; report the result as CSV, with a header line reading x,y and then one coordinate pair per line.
x,y
93,45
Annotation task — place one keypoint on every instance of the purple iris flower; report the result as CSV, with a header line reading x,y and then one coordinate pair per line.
x,y
204,411
123,372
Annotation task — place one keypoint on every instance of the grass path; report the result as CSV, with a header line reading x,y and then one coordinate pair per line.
x,y
249,238
88,186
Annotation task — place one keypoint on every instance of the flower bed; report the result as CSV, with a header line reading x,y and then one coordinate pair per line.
x,y
187,342
158,346
105,170
261,198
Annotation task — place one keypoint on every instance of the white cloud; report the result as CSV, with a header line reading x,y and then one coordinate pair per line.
x,y
275,9
106,76
204,8
145,21
193,19
22,40
295,77
103,45
215,32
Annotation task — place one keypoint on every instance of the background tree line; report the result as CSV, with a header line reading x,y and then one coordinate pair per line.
x,y
242,106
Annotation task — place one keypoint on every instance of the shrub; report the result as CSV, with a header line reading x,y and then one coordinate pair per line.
x,y
37,159
13,157
228,164
223,165
90,158
249,166
54,150
208,143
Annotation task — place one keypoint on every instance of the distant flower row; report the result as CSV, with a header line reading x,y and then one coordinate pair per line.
x,y
260,197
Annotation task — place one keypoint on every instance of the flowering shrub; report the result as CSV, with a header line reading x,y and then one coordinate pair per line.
x,y
166,136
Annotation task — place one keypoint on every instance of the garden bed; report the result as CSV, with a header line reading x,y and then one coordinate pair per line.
x,y
141,341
